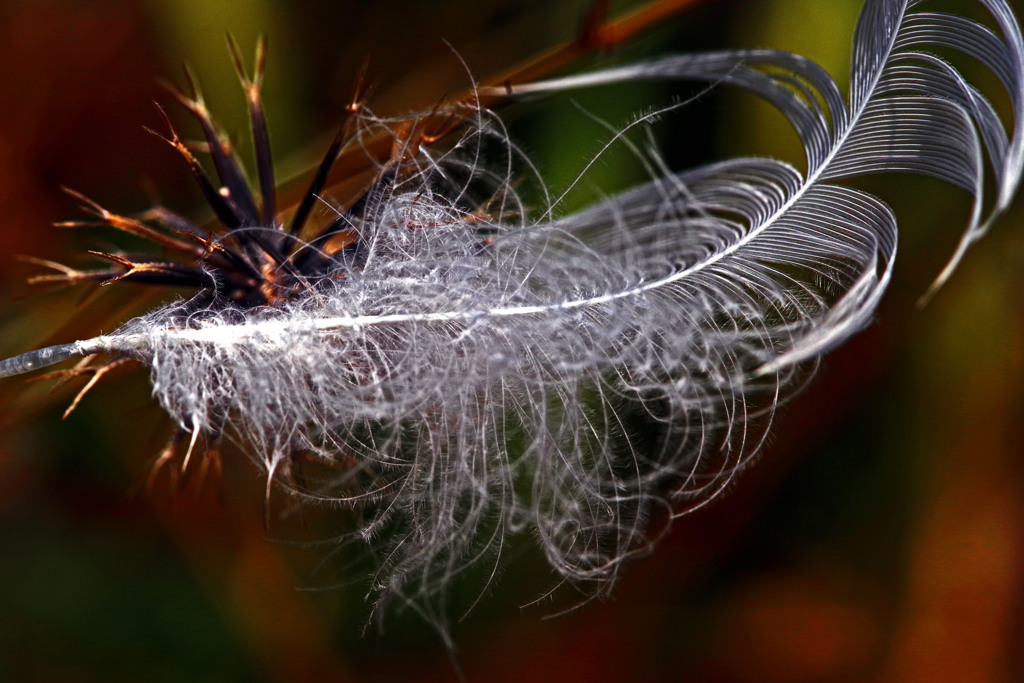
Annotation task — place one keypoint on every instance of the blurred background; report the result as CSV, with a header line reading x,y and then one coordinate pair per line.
x,y
880,536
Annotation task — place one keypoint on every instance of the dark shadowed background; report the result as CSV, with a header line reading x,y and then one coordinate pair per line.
x,y
880,536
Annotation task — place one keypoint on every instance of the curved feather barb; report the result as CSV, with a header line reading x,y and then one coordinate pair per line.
x,y
463,369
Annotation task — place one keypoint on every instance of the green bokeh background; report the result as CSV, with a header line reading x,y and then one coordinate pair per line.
x,y
880,536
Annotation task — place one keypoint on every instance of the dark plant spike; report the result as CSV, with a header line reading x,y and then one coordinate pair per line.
x,y
220,256
312,253
359,95
228,170
174,222
83,367
239,196
165,459
313,194
70,277
278,263
125,224
226,213
65,275
260,133
97,372
153,272
213,252
211,466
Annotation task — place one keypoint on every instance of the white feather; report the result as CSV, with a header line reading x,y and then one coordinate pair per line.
x,y
570,375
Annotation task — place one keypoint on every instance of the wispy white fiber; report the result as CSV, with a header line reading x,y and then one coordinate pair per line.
x,y
566,379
